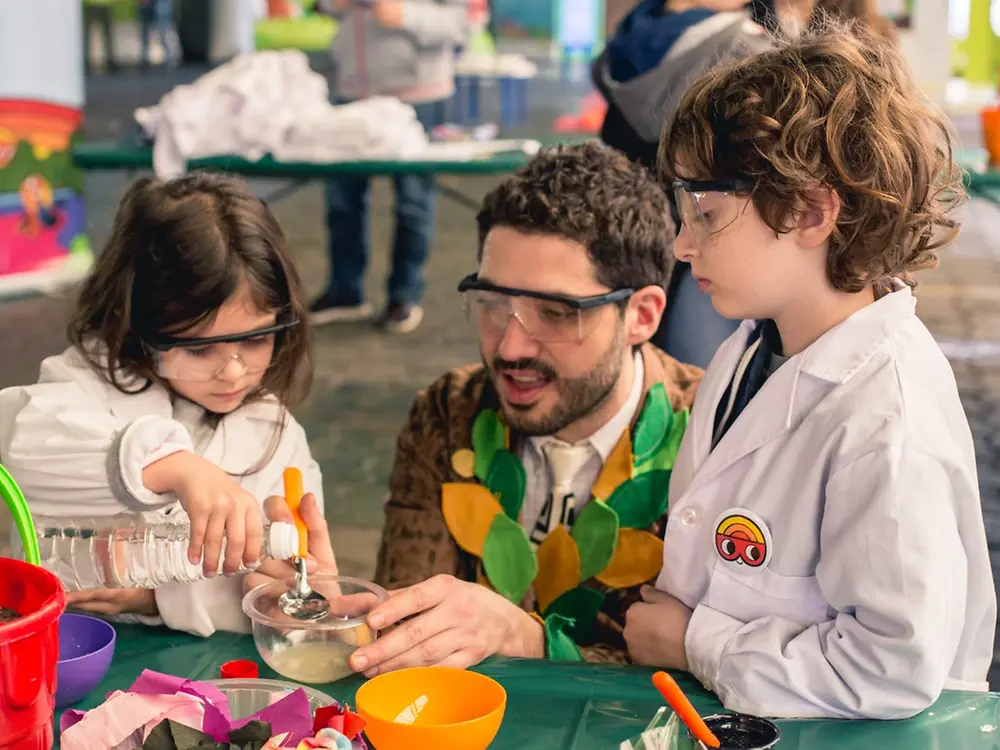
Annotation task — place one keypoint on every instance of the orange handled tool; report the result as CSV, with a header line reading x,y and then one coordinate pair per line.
x,y
670,690
293,497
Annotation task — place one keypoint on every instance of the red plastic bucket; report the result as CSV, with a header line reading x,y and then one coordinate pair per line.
x,y
29,651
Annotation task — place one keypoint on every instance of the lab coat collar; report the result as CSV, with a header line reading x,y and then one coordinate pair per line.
x,y
787,397
843,350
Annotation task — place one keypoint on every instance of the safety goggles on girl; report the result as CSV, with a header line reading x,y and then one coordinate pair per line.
x,y
707,207
547,318
204,359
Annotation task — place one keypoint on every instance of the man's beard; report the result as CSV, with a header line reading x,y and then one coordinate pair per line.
x,y
577,397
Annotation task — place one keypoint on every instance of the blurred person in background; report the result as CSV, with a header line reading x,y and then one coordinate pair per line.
x,y
157,16
405,50
99,12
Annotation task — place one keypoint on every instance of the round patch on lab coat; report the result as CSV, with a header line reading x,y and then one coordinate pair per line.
x,y
742,538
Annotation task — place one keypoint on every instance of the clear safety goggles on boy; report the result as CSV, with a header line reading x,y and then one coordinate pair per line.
x,y
547,318
707,207
204,359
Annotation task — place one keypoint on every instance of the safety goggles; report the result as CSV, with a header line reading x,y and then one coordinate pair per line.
x,y
204,359
547,318
707,207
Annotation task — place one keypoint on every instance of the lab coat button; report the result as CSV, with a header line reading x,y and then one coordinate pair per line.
x,y
689,516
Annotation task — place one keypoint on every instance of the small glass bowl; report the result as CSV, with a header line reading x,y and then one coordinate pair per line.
x,y
317,651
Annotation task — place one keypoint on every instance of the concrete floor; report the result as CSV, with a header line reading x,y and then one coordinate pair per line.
x,y
365,381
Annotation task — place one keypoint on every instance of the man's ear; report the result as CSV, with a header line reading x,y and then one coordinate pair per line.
x,y
643,314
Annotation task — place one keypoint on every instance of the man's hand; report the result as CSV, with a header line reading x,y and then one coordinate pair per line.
x,y
114,601
321,557
655,629
389,13
454,624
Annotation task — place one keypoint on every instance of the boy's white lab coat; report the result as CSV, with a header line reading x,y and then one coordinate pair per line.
x,y
77,447
852,475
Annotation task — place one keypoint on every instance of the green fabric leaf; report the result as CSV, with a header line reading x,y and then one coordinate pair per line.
x,y
640,501
580,605
507,479
666,456
487,439
653,426
558,645
595,532
508,558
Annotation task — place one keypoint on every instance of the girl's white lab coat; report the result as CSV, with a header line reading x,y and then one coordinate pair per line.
x,y
77,447
855,464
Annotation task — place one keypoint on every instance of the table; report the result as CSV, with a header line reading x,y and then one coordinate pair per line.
x,y
982,180
134,155
573,706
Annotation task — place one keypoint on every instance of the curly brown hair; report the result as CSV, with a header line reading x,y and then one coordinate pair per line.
x,y
178,251
593,195
838,109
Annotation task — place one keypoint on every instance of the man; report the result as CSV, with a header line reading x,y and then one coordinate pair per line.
x,y
571,402
574,252
405,50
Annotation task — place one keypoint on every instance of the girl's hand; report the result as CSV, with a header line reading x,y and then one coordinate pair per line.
x,y
321,557
220,510
114,601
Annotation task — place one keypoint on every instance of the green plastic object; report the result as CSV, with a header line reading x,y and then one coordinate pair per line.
x,y
18,506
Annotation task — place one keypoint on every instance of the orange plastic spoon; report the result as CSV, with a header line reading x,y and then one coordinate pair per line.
x,y
673,694
293,497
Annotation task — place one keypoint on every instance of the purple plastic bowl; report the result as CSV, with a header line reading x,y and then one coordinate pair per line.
x,y
86,646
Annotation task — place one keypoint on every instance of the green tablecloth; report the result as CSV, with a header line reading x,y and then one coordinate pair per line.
x,y
578,706
115,156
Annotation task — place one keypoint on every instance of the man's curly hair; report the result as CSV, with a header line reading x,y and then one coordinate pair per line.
x,y
595,196
838,109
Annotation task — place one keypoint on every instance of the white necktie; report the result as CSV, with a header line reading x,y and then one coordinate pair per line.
x,y
565,462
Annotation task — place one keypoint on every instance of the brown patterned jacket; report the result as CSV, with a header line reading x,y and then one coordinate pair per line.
x,y
416,543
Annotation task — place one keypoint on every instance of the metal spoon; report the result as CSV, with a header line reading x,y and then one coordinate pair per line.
x,y
300,601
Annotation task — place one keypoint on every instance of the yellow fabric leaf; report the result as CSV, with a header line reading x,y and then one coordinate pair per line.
x,y
463,461
617,469
638,558
469,510
558,567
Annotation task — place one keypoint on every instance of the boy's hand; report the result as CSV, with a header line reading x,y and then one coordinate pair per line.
x,y
220,510
655,629
321,557
114,601
389,13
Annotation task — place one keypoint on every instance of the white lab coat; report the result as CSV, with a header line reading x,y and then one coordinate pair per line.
x,y
77,447
876,590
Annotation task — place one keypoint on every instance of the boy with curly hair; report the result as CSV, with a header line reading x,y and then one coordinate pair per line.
x,y
825,553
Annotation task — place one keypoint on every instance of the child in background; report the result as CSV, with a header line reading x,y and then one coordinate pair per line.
x,y
190,345
825,553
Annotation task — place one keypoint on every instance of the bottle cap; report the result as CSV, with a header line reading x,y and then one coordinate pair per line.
x,y
282,540
239,668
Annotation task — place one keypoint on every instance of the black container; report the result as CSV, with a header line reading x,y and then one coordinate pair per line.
x,y
743,732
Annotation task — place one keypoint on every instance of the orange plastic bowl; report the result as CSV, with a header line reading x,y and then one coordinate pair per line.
x,y
431,707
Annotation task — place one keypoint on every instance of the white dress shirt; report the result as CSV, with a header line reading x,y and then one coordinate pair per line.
x,y
602,442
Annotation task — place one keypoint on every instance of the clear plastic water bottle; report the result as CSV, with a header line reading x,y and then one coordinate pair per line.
x,y
127,551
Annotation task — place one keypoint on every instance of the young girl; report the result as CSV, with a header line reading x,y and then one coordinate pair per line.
x,y
189,346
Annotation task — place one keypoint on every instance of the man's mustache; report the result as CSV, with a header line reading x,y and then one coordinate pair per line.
x,y
527,363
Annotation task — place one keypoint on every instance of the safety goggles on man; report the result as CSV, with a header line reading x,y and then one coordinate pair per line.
x,y
204,359
547,318
707,207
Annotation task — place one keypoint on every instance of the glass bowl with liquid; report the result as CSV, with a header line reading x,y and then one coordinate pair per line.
x,y
317,651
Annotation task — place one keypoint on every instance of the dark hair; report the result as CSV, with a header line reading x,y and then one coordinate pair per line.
x,y
838,109
593,195
178,251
